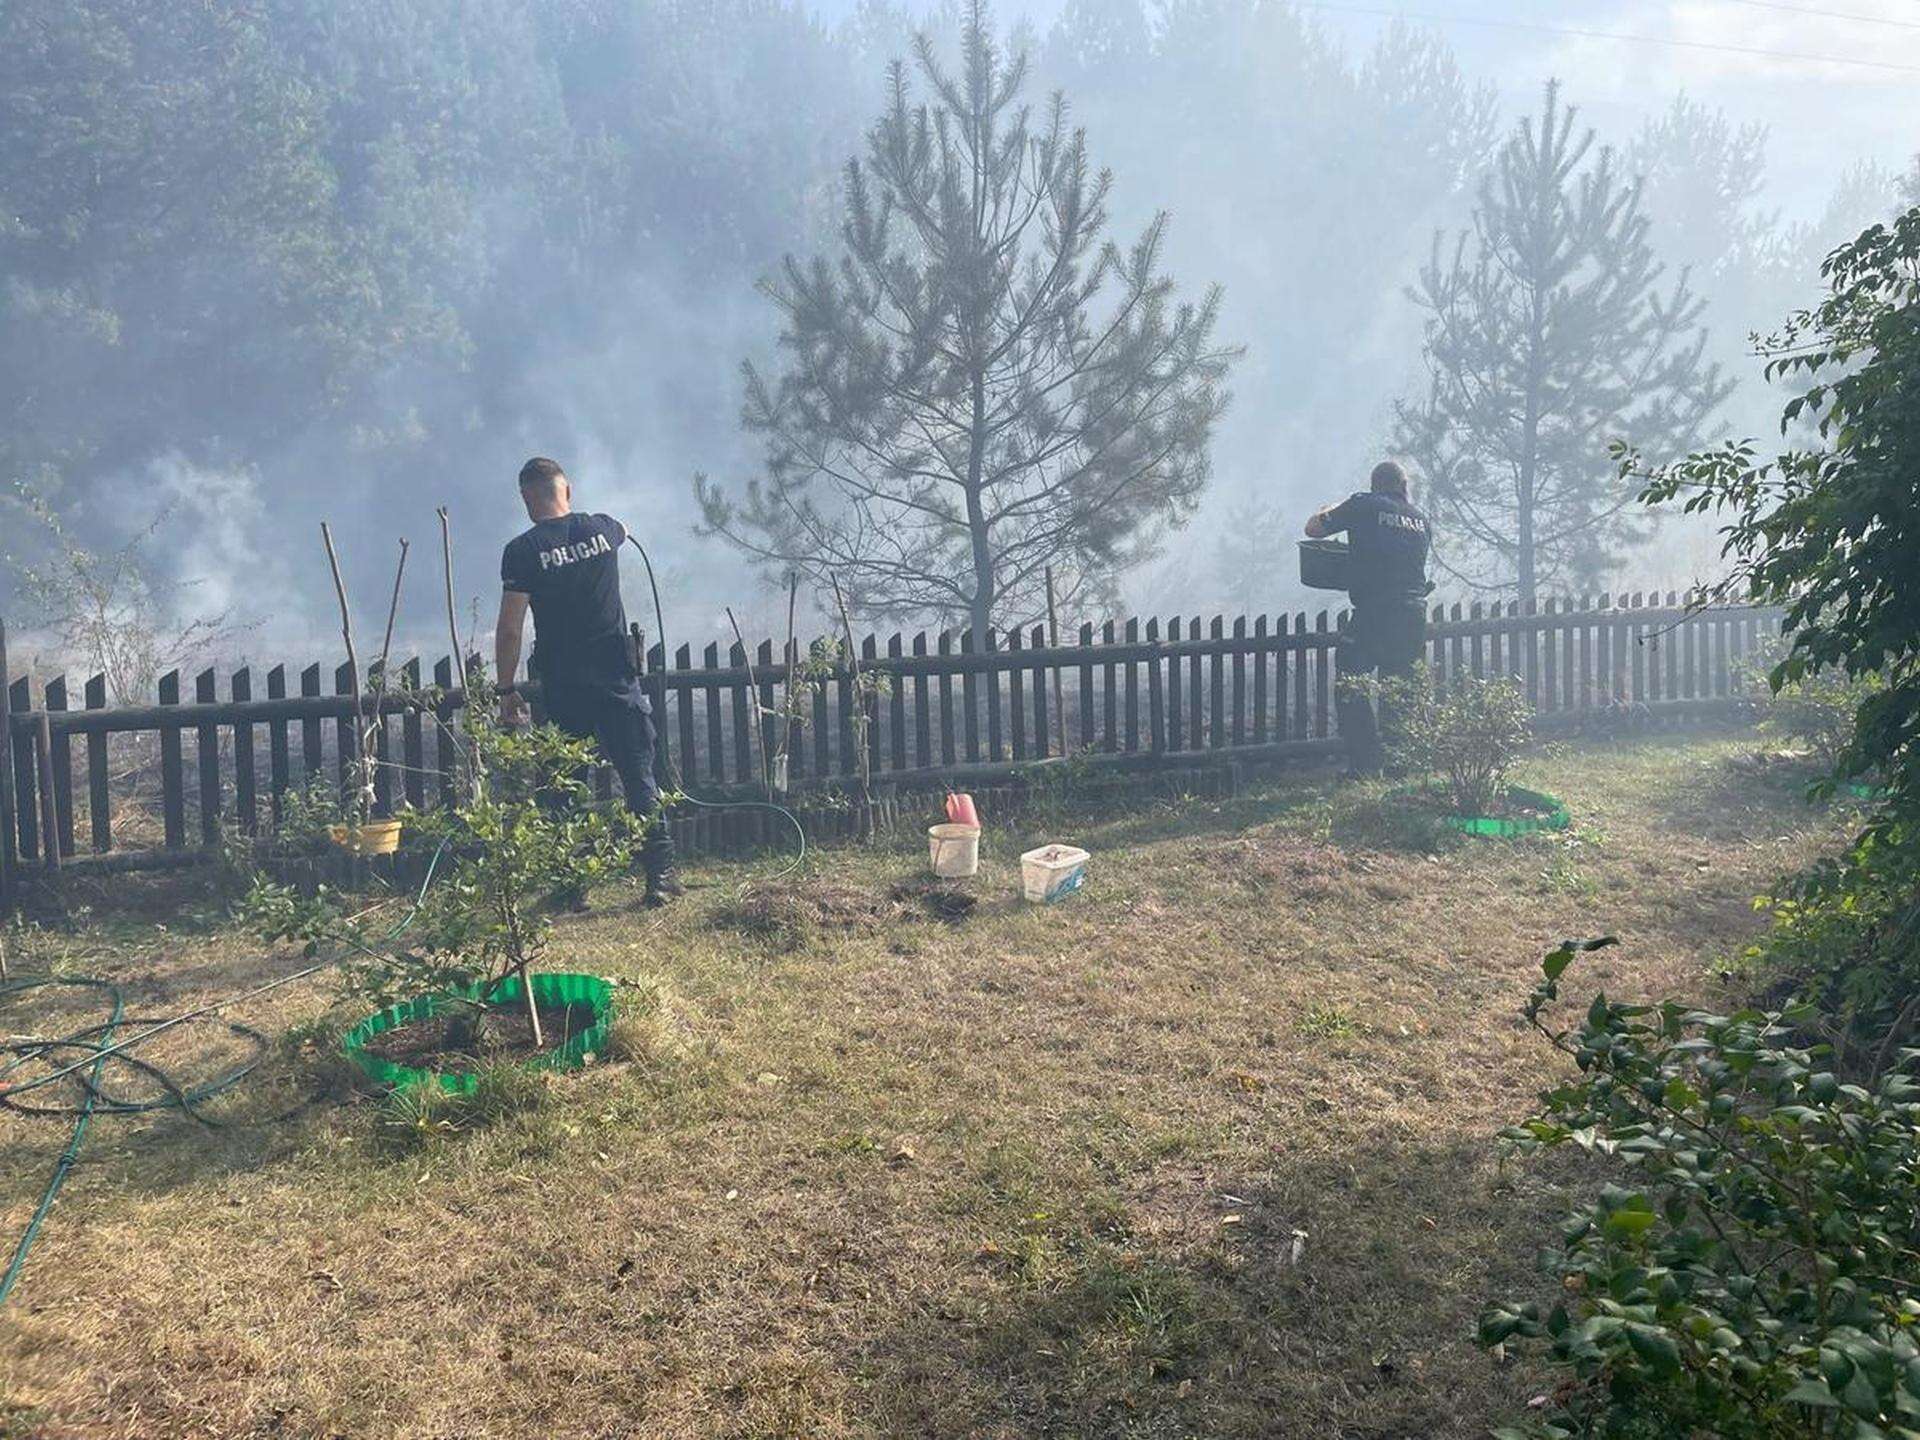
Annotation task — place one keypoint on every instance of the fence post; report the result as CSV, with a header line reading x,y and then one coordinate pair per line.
x,y
99,793
1109,694
25,787
445,744
1133,690
413,740
60,833
1322,677
922,715
656,663
947,750
246,796
1176,730
1550,656
346,731
49,820
969,698
1040,737
1156,700
1017,694
1217,687
8,857
173,805
996,747
1260,685
207,754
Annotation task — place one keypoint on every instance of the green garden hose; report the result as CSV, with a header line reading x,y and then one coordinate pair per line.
x,y
98,1046
72,1151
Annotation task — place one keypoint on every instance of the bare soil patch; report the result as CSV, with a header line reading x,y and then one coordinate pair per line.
x,y
450,1040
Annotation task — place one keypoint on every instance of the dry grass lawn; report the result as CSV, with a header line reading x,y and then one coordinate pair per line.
x,y
1206,1151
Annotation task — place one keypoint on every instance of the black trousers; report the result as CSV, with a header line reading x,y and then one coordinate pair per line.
x,y
620,722
1383,639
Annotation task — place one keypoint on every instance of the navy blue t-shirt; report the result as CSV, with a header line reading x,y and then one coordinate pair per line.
x,y
569,567
1388,540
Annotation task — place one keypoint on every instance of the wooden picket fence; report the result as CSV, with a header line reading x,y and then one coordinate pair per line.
x,y
81,784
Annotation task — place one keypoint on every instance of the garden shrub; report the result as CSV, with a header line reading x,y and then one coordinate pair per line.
x,y
1464,733
1846,939
1819,710
1760,1278
529,831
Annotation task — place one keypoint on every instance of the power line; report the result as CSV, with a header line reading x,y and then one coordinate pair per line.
x,y
1826,14
1397,14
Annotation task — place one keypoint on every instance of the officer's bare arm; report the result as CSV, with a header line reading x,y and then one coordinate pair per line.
x,y
508,633
1317,523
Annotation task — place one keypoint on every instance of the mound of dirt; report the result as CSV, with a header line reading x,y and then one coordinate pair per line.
x,y
1304,868
936,901
789,915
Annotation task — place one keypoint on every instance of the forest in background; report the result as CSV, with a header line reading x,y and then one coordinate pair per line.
x,y
299,259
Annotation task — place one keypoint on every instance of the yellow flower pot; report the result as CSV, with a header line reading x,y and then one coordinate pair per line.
x,y
376,837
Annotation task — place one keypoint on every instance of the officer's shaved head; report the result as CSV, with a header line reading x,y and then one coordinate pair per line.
x,y
1390,478
541,471
544,488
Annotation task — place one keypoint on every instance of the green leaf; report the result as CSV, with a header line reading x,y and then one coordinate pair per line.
x,y
1630,1224
1812,1392
1656,1347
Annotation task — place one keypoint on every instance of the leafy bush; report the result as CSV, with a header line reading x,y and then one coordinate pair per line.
x,y
1762,1280
1819,710
1846,938
1466,733
529,831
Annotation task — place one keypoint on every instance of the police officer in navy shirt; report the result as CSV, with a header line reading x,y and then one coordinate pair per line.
x,y
1388,542
567,570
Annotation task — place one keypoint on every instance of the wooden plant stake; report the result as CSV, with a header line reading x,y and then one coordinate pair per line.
x,y
533,1010
456,655
386,654
353,670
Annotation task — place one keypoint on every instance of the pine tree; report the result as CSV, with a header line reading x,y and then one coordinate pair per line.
x,y
1254,545
981,386
1550,331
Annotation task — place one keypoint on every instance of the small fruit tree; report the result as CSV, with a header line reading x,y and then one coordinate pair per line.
x,y
1465,733
528,832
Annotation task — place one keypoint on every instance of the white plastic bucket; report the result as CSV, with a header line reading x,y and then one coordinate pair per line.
x,y
1053,872
954,851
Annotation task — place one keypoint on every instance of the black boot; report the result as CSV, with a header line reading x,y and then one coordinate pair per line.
x,y
663,889
656,853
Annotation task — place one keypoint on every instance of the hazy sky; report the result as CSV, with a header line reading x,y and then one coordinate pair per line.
x,y
1816,110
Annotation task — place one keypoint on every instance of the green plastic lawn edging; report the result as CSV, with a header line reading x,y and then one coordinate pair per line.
x,y
1553,814
552,991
